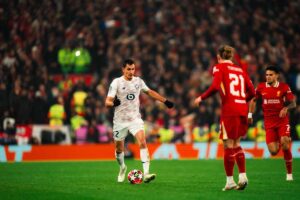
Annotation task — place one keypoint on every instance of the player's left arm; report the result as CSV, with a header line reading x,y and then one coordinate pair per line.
x,y
291,103
155,95
160,98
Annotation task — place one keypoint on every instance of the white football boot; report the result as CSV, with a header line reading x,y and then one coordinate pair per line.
x,y
243,182
149,177
231,185
122,172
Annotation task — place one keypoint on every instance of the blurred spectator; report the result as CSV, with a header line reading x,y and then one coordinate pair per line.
x,y
57,113
172,57
66,58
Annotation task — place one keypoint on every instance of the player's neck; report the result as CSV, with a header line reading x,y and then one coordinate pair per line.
x,y
225,61
273,84
126,78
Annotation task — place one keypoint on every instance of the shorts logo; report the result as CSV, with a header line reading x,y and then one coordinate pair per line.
x,y
130,96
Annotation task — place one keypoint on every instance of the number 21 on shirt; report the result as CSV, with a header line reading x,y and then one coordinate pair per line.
x,y
237,85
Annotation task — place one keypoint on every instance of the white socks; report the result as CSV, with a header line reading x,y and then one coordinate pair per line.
x,y
145,160
229,179
120,159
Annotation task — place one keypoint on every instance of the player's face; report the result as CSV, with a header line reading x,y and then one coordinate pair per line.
x,y
271,77
128,71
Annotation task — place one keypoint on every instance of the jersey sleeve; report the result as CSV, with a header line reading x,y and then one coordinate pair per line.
x,y
144,87
214,87
258,91
112,91
288,93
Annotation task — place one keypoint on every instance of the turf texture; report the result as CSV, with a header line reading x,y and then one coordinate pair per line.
x,y
184,179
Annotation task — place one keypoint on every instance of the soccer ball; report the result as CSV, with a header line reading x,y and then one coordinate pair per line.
x,y
135,176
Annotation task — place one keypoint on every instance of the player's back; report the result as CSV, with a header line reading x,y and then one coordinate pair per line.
x,y
233,89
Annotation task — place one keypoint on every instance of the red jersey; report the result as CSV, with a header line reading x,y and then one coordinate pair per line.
x,y
234,87
273,99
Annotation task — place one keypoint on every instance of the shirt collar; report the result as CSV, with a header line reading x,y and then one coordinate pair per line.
x,y
275,85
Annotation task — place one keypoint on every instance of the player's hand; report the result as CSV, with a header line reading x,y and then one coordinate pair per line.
x,y
198,101
169,104
116,102
283,112
250,120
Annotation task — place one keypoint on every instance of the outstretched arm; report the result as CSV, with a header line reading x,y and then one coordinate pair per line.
x,y
160,98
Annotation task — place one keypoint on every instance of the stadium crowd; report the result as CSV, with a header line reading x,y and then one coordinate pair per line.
x,y
42,44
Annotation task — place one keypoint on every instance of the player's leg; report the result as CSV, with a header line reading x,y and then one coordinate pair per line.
x,y
285,141
241,162
272,140
229,164
240,155
119,137
144,155
119,153
229,133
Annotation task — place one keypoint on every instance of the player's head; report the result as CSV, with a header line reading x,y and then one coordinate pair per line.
x,y
272,74
225,52
128,69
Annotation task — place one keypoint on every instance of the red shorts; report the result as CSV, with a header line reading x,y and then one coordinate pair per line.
x,y
233,127
275,133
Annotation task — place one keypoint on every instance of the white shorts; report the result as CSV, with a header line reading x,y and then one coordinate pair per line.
x,y
120,131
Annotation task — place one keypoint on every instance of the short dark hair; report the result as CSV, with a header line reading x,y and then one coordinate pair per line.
x,y
128,62
274,69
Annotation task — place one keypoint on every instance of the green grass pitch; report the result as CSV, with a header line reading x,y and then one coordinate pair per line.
x,y
185,179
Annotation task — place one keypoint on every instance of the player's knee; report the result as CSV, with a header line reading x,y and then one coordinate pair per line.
x,y
143,145
285,143
273,152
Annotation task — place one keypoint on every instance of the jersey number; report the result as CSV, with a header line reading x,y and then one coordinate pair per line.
x,y
237,85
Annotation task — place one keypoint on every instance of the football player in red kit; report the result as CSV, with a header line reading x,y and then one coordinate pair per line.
x,y
235,89
277,100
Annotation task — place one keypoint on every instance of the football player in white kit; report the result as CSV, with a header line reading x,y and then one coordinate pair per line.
x,y
123,95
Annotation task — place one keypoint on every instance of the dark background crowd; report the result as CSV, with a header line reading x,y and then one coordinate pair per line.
x,y
173,43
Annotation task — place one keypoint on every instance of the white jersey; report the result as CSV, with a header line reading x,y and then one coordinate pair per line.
x,y
128,92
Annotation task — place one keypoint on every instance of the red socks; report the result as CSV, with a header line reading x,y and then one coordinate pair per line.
x,y
229,161
240,159
288,160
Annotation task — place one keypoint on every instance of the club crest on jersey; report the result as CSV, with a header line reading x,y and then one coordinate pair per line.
x,y
278,93
136,86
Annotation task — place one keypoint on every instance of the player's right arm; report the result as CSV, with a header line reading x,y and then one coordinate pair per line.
x,y
111,99
214,87
252,104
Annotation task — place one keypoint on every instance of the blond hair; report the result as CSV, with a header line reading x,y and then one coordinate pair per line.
x,y
226,52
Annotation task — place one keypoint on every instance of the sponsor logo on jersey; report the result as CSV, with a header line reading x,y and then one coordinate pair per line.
x,y
130,96
271,101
